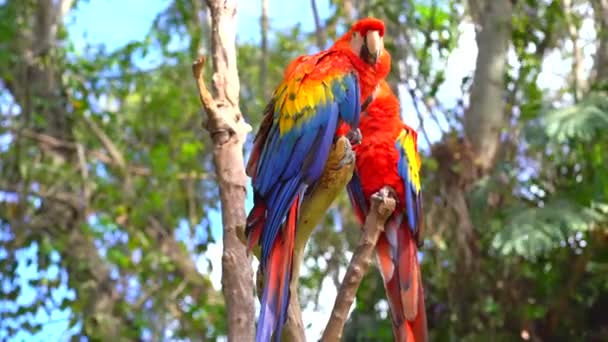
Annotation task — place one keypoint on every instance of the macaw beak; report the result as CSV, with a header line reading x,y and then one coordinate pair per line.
x,y
372,47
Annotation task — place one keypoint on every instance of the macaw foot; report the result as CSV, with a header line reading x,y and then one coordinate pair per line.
x,y
349,155
385,199
354,137
385,193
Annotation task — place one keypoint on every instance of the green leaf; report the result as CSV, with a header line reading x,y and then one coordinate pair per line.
x,y
584,121
534,231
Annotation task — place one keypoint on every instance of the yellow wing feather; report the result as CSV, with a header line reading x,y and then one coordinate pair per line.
x,y
407,142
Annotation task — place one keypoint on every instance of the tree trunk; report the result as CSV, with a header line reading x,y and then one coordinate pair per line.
x,y
229,130
485,116
600,72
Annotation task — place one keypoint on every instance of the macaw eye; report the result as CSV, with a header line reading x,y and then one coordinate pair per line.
x,y
356,43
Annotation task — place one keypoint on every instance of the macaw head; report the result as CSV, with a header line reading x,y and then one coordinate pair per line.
x,y
366,39
385,104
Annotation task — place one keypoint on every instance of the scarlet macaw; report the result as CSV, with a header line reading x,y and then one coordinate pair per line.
x,y
388,156
318,94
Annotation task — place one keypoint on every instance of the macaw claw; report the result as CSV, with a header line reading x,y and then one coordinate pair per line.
x,y
383,194
384,201
349,155
354,136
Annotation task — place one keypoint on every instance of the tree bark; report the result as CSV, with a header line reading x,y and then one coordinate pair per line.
x,y
485,116
228,131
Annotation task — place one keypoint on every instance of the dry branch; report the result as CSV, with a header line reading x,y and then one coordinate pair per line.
x,y
47,142
319,30
382,206
228,131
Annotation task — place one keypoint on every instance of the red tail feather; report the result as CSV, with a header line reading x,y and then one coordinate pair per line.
x,y
402,282
255,224
419,326
275,300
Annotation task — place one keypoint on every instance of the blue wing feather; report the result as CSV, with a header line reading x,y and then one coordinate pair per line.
x,y
356,195
278,205
292,160
351,106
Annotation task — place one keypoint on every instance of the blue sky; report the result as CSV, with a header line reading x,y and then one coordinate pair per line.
x,y
115,22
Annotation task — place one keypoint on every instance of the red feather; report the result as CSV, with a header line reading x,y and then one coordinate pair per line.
x,y
377,166
271,223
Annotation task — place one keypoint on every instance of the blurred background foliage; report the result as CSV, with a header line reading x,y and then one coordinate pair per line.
x,y
108,203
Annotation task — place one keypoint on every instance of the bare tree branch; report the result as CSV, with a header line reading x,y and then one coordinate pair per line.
x,y
349,8
47,141
107,143
229,130
382,206
264,47
84,171
181,259
319,31
578,69
412,94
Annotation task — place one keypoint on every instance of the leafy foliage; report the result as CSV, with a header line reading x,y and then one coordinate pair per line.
x,y
534,231
584,121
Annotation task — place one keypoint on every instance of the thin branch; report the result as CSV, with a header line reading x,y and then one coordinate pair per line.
x,y
107,143
50,142
349,8
382,206
69,199
203,93
264,47
84,171
319,31
147,294
63,8
180,258
578,69
420,117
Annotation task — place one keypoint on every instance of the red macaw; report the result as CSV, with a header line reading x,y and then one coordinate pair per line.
x,y
318,94
388,156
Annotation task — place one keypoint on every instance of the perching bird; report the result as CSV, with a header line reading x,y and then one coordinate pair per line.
x,y
318,94
388,156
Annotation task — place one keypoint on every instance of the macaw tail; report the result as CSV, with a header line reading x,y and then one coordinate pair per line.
x,y
397,256
277,276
